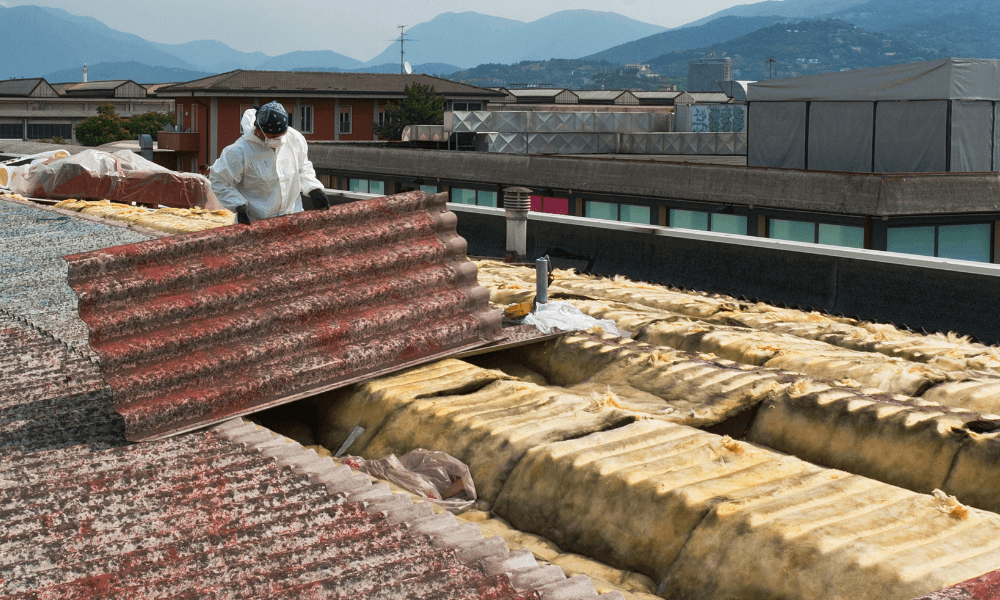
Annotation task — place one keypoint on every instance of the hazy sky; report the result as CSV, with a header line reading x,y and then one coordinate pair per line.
x,y
360,30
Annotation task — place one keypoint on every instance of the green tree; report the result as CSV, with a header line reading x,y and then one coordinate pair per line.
x,y
150,122
108,127
421,106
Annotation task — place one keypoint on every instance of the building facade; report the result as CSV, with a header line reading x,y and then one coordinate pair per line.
x,y
33,109
323,106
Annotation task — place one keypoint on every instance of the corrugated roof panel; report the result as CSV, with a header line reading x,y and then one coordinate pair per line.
x,y
195,329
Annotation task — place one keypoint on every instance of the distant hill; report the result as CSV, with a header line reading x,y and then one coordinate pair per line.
x,y
469,39
214,57
137,72
789,9
804,48
713,32
42,40
965,28
309,60
561,73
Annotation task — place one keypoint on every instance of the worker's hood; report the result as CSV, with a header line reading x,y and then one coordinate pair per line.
x,y
248,124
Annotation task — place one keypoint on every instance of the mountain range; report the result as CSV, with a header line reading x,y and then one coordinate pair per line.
x,y
452,42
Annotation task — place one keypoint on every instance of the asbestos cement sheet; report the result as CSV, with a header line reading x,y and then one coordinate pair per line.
x,y
195,329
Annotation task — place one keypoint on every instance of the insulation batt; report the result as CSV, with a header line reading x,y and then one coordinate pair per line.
x,y
661,382
895,439
476,415
714,518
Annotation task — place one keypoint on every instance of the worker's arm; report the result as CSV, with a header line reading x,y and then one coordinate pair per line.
x,y
307,174
225,174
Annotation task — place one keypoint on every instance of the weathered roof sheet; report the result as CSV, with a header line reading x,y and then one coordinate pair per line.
x,y
271,82
233,512
195,329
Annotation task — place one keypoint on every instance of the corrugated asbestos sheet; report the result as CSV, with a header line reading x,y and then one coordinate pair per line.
x,y
229,513
195,329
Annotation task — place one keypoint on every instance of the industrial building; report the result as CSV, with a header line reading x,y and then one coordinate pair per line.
x,y
34,109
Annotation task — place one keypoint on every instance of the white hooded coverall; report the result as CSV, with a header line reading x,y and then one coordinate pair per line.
x,y
269,182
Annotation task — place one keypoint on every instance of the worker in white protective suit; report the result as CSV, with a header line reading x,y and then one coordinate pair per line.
x,y
263,173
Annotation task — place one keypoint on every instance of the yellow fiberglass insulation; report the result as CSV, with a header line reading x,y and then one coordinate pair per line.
x,y
372,403
715,518
632,586
475,415
895,439
791,353
974,478
169,220
676,386
978,393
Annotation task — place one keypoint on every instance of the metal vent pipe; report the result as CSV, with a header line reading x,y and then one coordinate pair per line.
x,y
517,202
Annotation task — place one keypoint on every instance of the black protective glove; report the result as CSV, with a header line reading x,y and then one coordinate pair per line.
x,y
241,215
318,199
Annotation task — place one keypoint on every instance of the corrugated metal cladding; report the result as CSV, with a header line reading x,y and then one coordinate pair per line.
x,y
195,329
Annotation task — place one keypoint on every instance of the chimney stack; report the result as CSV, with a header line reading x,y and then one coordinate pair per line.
x,y
85,72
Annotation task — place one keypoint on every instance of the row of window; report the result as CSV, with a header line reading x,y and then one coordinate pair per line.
x,y
973,242
36,131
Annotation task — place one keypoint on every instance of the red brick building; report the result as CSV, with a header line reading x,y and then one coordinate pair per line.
x,y
323,106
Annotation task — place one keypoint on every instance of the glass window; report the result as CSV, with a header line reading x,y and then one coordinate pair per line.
x,y
376,187
359,185
179,118
485,198
736,224
430,189
42,131
634,214
345,120
689,219
965,242
911,240
306,120
601,210
555,206
794,231
842,235
461,196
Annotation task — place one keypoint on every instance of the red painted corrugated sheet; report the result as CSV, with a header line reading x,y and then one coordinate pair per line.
x,y
198,328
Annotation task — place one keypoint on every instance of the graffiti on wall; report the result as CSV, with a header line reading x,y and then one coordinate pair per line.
x,y
718,117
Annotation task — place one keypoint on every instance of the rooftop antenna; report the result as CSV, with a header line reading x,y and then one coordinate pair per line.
x,y
402,38
407,67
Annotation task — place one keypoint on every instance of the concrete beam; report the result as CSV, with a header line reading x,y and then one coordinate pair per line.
x,y
814,191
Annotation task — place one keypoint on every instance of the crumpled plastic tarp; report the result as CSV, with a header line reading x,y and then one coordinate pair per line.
x,y
562,315
121,176
435,475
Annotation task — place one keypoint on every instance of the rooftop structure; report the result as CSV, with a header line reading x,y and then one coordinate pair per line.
x,y
934,116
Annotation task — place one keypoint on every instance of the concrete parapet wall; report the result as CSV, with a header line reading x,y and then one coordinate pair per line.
x,y
865,284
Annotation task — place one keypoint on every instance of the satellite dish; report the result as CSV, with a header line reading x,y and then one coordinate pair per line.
x,y
407,67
